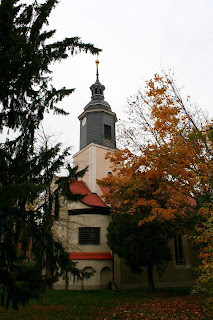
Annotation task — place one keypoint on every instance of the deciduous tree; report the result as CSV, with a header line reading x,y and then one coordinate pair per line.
x,y
171,139
145,214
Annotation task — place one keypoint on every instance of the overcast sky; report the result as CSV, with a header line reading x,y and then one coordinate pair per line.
x,y
138,38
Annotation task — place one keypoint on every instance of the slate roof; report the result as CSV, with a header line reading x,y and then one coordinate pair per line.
x,y
90,256
91,199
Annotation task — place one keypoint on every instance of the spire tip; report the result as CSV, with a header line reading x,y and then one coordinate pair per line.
x,y
97,63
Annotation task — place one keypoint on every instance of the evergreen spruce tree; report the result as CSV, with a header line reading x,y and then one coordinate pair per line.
x,y
31,258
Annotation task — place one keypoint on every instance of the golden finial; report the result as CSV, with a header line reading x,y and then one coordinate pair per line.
x,y
97,63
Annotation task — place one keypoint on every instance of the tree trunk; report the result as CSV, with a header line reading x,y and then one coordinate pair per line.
x,y
150,279
47,279
46,295
66,281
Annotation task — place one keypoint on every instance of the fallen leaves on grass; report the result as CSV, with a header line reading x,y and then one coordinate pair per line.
x,y
182,308
134,307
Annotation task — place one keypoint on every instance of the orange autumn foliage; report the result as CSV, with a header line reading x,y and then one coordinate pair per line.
x,y
134,188
168,165
171,137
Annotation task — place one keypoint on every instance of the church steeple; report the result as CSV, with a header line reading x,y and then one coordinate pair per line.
x,y
97,121
97,88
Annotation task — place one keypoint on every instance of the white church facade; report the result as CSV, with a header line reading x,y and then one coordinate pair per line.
x,y
83,224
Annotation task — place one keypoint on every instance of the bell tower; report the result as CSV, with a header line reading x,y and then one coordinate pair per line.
x,y
97,137
97,122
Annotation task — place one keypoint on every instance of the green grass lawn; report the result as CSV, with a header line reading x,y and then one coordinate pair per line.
x,y
106,305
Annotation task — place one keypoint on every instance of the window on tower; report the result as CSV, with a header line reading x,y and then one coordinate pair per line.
x,y
107,132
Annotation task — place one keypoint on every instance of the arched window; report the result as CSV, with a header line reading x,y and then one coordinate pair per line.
x,y
87,283
105,277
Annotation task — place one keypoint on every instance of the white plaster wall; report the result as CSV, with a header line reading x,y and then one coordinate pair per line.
x,y
69,232
82,160
88,220
93,156
94,283
103,166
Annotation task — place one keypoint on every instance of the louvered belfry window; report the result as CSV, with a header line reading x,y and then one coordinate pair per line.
x,y
107,132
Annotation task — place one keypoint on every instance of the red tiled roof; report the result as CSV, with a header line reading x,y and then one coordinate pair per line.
x,y
91,199
104,189
90,256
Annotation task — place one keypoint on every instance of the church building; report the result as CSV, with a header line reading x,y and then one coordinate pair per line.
x,y
83,225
